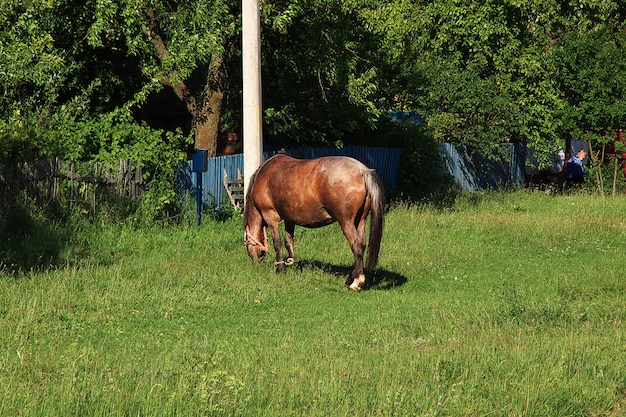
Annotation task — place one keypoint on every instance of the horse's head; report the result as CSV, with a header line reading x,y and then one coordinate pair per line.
x,y
256,241
254,225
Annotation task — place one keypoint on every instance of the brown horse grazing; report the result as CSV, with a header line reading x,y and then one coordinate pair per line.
x,y
315,193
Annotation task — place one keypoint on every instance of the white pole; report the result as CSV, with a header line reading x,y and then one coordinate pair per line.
x,y
252,119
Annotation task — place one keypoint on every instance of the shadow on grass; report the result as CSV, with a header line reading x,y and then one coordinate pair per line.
x,y
380,279
28,242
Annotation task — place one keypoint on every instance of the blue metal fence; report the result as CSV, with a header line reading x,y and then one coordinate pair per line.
x,y
474,173
470,172
386,162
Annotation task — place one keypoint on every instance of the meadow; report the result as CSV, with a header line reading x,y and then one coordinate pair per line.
x,y
506,304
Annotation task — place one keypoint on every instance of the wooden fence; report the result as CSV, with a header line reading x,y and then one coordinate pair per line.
x,y
51,181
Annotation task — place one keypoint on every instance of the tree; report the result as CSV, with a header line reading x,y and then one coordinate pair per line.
x,y
185,46
319,63
321,73
32,73
57,89
593,79
320,67
479,72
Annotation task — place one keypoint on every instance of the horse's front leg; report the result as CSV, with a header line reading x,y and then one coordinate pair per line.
x,y
278,247
289,231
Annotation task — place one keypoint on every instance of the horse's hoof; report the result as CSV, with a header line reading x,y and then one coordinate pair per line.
x,y
280,267
357,283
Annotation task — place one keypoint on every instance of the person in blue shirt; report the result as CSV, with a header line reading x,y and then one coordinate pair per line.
x,y
575,170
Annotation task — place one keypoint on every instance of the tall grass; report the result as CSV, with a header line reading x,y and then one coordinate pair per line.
x,y
506,304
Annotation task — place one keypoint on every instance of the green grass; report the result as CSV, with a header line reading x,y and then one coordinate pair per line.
x,y
505,305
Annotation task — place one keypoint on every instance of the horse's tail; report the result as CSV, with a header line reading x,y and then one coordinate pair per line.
x,y
376,192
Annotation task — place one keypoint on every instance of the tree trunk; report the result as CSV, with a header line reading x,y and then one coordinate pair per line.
x,y
207,115
207,124
597,162
206,111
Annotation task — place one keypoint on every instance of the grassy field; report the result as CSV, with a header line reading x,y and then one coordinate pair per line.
x,y
505,305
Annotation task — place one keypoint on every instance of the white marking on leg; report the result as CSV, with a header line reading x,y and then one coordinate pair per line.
x,y
357,283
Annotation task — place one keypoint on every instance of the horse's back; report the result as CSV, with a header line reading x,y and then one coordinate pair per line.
x,y
311,192
287,172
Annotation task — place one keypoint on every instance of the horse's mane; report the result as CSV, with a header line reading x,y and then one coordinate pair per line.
x,y
246,206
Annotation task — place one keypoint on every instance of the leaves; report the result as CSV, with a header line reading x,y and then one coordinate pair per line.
x,y
321,72
594,78
488,72
480,73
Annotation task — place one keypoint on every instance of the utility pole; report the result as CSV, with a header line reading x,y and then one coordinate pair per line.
x,y
252,108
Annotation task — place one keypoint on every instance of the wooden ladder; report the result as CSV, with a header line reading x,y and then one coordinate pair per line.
x,y
234,188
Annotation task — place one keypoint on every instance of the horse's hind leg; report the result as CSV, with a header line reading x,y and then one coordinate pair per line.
x,y
356,238
289,231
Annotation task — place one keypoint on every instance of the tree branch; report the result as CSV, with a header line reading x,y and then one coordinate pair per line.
x,y
180,88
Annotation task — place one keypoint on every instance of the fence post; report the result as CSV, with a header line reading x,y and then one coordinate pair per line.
x,y
199,164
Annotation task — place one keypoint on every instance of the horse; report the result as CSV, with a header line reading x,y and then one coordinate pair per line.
x,y
314,193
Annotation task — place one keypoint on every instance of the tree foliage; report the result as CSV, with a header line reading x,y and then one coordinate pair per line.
x,y
491,72
32,73
75,75
184,46
593,76
321,72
